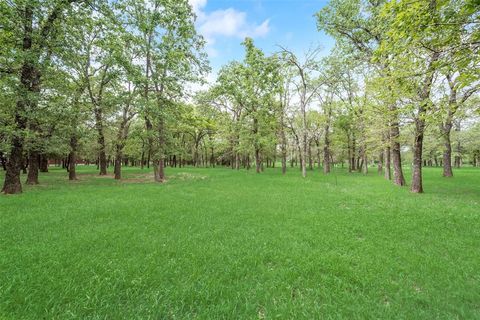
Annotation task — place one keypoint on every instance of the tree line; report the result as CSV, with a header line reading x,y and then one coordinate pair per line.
x,y
109,82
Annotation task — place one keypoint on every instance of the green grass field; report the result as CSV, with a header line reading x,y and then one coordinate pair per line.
x,y
223,244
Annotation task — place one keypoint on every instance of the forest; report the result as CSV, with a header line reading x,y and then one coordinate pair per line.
x,y
110,83
113,106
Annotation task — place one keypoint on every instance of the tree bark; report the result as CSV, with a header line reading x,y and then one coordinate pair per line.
x,y
33,161
424,95
121,136
256,145
388,169
398,177
118,165
101,141
417,186
12,184
43,163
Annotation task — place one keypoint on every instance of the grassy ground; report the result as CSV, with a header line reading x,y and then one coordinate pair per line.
x,y
222,244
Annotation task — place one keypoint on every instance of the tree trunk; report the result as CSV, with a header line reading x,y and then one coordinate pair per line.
x,y
257,161
447,152
388,169
257,147
354,151
142,158
417,186
380,163
12,184
121,136
303,152
159,168
72,158
43,163
398,177
283,147
237,161
326,148
33,160
310,158
101,141
417,183
118,166
365,163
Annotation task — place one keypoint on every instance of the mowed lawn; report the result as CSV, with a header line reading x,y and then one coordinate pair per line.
x,y
223,244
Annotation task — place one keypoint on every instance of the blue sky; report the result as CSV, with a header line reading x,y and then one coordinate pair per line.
x,y
225,23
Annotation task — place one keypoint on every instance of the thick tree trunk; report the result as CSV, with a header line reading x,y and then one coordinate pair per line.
x,y
33,161
12,184
43,163
417,186
118,166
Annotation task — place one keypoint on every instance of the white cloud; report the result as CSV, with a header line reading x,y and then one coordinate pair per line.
x,y
223,23
226,22
229,22
262,30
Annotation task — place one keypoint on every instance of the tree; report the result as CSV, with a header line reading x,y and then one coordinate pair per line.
x,y
33,45
170,55
252,86
358,29
306,88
